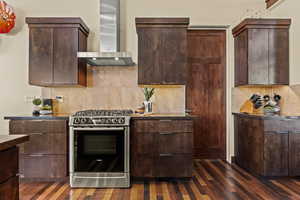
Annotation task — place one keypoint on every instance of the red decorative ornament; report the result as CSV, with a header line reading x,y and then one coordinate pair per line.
x,y
7,17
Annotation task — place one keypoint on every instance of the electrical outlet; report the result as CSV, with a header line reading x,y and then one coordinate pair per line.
x,y
60,99
29,99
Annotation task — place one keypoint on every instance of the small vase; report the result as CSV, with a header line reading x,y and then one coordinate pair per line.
x,y
148,106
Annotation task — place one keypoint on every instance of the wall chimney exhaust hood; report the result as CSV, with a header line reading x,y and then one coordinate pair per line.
x,y
110,54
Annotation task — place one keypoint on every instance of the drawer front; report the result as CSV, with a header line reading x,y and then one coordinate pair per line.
x,y
9,190
294,126
33,166
45,144
175,126
172,142
146,126
9,163
168,165
37,126
279,126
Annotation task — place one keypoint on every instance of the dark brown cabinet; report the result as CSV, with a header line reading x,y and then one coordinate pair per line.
x,y
161,148
162,51
262,52
266,146
53,47
45,156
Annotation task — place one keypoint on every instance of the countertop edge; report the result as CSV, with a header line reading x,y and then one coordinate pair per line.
x,y
15,140
36,117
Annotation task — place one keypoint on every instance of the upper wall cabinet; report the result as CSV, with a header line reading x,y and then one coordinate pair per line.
x,y
53,47
162,51
270,2
262,52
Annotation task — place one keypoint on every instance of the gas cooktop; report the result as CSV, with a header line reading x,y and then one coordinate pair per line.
x,y
101,118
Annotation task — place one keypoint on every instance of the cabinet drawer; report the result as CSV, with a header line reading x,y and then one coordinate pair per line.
x,y
172,142
294,126
146,126
47,167
44,143
279,126
175,126
9,190
169,165
8,163
37,126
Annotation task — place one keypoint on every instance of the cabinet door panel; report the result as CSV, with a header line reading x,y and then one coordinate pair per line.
x,y
278,56
9,190
65,65
258,56
150,56
54,166
41,56
294,154
142,166
8,163
276,154
241,59
144,143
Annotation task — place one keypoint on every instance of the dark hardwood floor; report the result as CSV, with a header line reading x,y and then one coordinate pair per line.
x,y
212,179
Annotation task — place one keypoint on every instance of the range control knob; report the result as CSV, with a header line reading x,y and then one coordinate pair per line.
x,y
121,120
114,121
76,121
83,120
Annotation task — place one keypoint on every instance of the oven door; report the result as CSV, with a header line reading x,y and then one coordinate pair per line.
x,y
99,153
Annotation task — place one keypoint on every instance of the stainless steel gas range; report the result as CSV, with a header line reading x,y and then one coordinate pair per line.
x,y
99,148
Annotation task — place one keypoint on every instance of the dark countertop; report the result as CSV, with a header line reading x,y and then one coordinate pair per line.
x,y
8,141
40,117
162,116
263,116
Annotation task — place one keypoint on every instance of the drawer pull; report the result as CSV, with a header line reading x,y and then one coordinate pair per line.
x,y
165,120
36,155
282,132
20,175
37,133
166,155
167,133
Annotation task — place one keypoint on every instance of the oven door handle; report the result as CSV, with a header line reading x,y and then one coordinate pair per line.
x,y
100,129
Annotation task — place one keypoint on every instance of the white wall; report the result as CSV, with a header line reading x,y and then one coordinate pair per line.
x,y
13,47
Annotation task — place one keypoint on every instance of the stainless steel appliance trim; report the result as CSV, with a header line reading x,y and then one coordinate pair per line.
x,y
98,129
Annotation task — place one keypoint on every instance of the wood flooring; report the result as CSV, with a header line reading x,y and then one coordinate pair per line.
x,y
212,179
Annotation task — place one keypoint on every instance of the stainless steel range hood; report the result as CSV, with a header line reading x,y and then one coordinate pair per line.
x,y
110,54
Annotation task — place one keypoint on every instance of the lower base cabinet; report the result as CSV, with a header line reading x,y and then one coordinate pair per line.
x,y
162,148
45,156
10,189
267,146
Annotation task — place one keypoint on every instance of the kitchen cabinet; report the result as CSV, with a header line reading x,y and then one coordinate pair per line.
x,y
53,47
262,52
45,156
162,51
270,3
267,146
161,148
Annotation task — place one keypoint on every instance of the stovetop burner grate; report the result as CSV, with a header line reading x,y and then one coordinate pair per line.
x,y
95,113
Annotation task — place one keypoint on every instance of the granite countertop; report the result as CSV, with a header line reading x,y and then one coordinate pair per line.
x,y
8,141
162,116
264,116
39,117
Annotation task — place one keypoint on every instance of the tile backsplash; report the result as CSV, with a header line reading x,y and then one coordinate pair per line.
x,y
290,102
115,88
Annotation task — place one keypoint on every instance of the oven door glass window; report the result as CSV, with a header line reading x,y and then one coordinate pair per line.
x,y
99,151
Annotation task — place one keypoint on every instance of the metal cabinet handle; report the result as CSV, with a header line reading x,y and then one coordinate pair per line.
x,y
165,120
20,175
165,154
167,133
36,155
37,133
282,132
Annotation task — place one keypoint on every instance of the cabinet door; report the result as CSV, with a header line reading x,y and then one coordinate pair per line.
x,y
65,63
279,56
150,68
41,56
241,59
294,154
258,71
276,154
9,190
